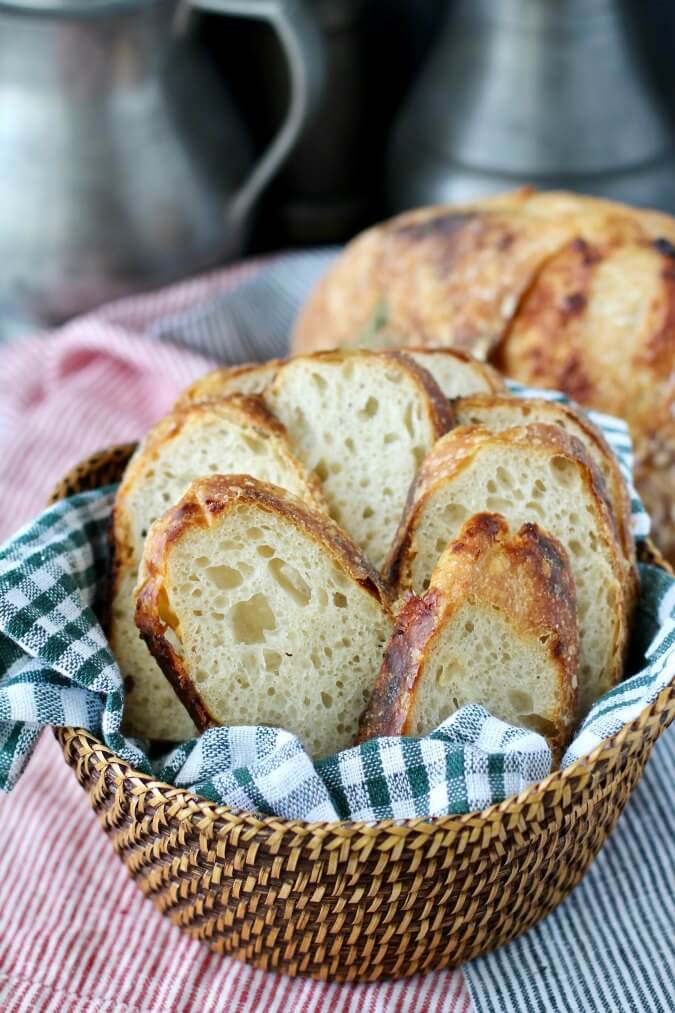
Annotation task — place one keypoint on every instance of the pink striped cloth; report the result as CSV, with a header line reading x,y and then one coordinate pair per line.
x,y
75,933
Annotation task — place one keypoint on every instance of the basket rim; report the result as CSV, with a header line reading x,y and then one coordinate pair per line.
x,y
532,795
556,781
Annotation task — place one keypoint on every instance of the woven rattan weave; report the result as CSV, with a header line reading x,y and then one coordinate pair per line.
x,y
356,901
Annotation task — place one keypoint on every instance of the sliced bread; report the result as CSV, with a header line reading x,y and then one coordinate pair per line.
x,y
457,373
261,611
246,378
503,411
364,422
497,627
534,473
235,435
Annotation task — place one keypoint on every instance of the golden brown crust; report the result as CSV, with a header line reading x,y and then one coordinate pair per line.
x,y
525,576
223,382
599,324
410,279
541,410
201,506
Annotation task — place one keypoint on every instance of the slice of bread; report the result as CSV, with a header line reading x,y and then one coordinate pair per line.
x,y
261,611
234,435
503,411
457,373
246,378
496,627
534,473
364,422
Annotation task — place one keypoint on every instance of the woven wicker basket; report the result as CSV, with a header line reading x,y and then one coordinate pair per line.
x,y
355,901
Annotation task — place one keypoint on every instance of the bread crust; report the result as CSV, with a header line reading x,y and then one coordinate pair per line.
x,y
526,576
204,502
616,487
222,382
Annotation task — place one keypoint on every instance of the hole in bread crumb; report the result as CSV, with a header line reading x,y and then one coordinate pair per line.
x,y
454,513
367,512
326,699
251,619
419,454
539,724
445,673
271,691
224,577
469,627
202,561
272,660
266,551
290,581
319,381
563,470
369,409
497,503
390,438
575,547
321,469
408,419
441,544
520,700
339,600
504,478
254,534
491,485
254,443
349,444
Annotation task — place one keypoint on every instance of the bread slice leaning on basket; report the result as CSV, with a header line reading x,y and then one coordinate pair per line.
x,y
503,411
262,611
364,422
530,473
497,626
246,378
457,373
234,435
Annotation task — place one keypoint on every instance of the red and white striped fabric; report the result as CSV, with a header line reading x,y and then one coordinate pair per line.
x,y
75,933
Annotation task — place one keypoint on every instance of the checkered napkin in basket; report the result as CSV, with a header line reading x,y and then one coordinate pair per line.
x,y
56,669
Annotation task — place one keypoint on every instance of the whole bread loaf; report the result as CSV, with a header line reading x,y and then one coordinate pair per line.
x,y
556,289
262,611
497,626
534,472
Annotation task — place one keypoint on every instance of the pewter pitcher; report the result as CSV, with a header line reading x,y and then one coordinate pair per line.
x,y
123,162
552,92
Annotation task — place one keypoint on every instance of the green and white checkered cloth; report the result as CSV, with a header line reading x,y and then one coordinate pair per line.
x,y
56,669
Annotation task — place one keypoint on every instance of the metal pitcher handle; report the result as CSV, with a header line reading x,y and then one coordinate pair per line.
x,y
301,42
